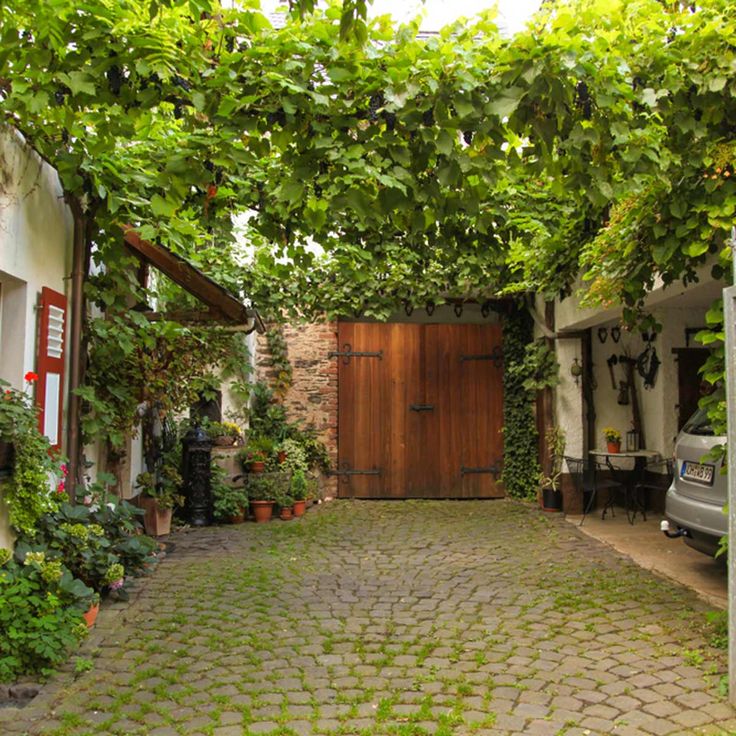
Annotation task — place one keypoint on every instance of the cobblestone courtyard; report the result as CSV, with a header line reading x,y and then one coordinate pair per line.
x,y
393,618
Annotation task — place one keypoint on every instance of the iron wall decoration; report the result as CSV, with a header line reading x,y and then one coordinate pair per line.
x,y
603,334
576,370
485,310
615,333
347,352
408,309
611,362
458,309
496,355
647,364
430,308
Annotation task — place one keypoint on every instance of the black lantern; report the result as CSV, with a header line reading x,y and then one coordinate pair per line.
x,y
632,441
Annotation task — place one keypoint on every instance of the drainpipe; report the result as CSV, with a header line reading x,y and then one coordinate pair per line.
x,y
74,415
729,328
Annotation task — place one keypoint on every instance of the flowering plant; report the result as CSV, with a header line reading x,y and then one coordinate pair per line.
x,y
37,482
611,435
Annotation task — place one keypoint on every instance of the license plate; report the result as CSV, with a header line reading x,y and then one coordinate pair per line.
x,y
698,473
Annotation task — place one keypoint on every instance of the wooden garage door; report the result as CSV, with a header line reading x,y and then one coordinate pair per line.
x,y
420,411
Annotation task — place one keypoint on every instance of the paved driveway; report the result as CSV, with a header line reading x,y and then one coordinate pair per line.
x,y
394,618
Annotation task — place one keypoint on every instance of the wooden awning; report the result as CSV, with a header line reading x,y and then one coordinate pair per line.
x,y
221,302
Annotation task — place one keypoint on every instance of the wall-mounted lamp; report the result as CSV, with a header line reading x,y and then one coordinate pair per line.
x,y
576,370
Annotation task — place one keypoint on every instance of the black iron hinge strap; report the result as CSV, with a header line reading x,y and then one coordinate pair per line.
x,y
347,352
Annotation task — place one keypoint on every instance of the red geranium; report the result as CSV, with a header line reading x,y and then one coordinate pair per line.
x,y
31,377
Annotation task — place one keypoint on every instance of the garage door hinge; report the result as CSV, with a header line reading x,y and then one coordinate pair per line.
x,y
345,470
347,352
496,355
494,470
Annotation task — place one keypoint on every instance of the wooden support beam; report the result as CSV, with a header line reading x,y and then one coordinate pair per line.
x,y
183,273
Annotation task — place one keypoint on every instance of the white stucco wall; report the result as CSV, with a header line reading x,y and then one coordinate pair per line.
x,y
676,309
569,397
36,230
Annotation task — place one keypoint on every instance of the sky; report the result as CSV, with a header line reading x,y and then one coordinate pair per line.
x,y
512,13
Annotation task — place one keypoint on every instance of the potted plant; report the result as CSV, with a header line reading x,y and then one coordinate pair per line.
x,y
550,484
159,495
260,490
256,454
287,513
613,439
223,434
230,503
298,492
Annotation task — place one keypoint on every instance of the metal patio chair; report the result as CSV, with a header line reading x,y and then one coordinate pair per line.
x,y
585,480
639,493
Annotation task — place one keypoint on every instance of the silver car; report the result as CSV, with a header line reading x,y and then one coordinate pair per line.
x,y
699,489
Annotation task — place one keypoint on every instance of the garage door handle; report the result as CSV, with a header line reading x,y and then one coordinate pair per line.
x,y
421,407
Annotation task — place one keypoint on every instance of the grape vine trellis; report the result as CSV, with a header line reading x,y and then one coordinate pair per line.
x,y
396,169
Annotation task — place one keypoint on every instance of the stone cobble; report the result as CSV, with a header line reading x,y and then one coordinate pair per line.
x,y
407,618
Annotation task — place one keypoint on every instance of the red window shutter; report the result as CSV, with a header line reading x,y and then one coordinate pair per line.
x,y
50,364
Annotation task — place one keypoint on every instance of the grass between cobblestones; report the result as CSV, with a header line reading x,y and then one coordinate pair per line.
x,y
406,618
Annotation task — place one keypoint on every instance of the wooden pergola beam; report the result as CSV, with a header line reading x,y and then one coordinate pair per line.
x,y
190,278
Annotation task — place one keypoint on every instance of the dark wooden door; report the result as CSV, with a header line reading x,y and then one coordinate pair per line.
x,y
691,386
421,411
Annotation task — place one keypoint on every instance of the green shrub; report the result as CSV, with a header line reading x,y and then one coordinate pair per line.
x,y
228,501
298,489
41,606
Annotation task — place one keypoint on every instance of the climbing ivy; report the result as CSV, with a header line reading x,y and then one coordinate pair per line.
x,y
521,447
279,360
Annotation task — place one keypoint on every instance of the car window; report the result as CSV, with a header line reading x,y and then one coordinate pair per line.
x,y
699,424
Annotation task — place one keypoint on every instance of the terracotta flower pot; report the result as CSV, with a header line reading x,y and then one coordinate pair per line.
x,y
90,615
262,511
257,466
286,513
237,518
156,521
299,508
614,447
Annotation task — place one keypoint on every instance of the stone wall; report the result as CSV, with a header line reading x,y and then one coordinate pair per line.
x,y
312,398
